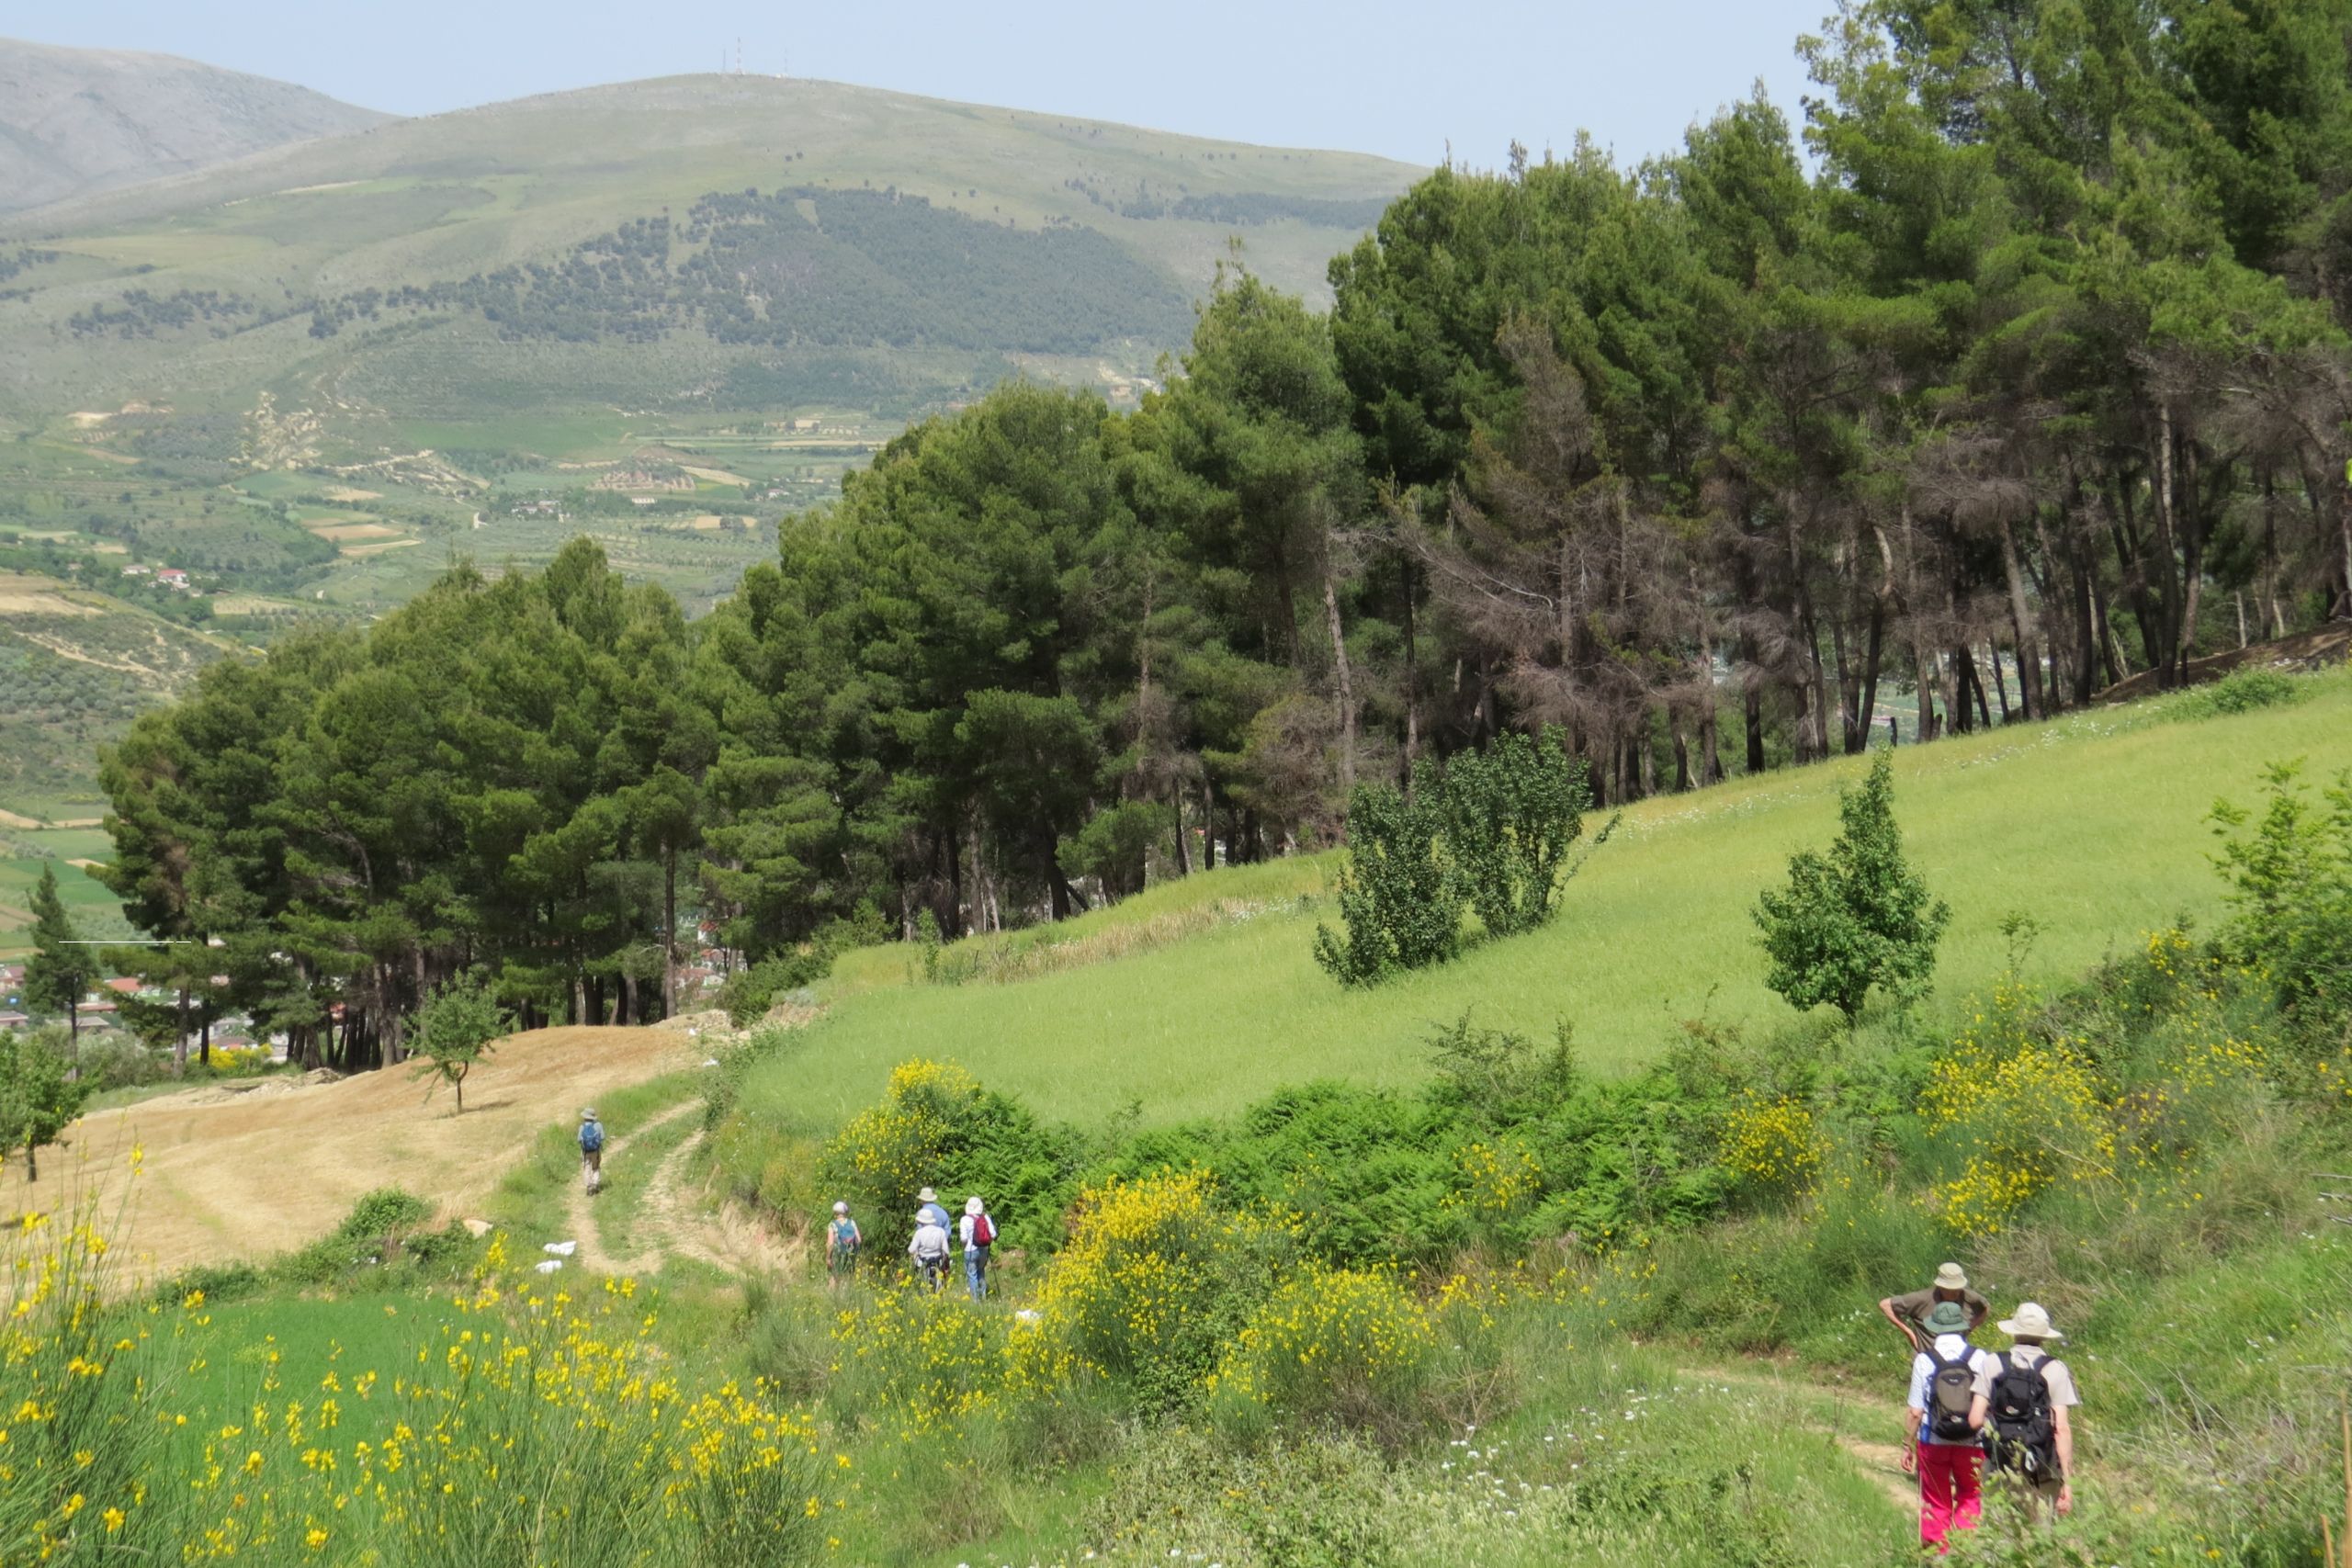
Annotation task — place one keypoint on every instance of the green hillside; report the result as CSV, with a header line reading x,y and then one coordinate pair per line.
x,y
662,314
2094,822
414,242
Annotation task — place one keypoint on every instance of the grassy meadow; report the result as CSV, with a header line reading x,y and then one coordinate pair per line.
x,y
2094,821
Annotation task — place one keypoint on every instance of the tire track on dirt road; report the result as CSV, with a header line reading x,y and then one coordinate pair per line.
x,y
674,1221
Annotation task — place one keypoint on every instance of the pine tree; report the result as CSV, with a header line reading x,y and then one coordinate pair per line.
x,y
1857,918
60,969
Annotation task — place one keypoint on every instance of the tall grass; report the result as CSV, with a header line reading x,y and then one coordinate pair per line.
x,y
516,1423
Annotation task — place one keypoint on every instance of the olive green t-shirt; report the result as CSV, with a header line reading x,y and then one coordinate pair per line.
x,y
1916,1306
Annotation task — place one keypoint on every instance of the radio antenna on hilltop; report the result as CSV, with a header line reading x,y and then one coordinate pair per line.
x,y
739,56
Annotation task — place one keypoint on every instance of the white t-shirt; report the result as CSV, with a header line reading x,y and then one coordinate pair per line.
x,y
930,1242
1950,1347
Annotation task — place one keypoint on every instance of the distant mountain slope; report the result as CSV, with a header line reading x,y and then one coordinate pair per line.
x,y
73,121
727,241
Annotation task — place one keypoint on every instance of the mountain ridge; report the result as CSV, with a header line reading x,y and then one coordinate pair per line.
x,y
74,122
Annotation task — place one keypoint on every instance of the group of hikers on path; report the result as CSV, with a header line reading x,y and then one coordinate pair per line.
x,y
930,1248
1972,1408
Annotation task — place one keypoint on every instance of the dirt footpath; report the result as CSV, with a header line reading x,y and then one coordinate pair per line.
x,y
247,1174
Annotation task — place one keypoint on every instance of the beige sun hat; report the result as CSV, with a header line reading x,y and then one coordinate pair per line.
x,y
926,1196
973,1205
840,1208
2030,1323
1949,1278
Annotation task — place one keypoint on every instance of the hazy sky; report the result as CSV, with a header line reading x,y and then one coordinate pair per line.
x,y
1369,76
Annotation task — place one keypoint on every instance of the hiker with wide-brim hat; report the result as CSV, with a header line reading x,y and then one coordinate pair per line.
x,y
928,1211
978,1232
1908,1311
841,1242
929,1248
591,1149
2025,1401
1941,1440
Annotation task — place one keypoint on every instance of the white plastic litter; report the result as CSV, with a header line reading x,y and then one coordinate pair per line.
x,y
712,1062
561,1248
549,1266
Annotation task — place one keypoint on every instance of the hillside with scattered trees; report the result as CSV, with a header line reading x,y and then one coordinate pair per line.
x,y
2039,383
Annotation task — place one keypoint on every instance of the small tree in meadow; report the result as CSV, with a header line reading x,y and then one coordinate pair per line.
x,y
1857,918
1398,899
38,1099
60,968
454,1029
1511,811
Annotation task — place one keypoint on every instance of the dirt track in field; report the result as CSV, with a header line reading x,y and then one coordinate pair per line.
x,y
233,1176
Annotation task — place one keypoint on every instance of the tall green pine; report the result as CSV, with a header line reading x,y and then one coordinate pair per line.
x,y
59,970
1857,918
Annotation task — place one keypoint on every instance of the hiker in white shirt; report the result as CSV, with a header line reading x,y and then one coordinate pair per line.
x,y
978,1232
1946,1446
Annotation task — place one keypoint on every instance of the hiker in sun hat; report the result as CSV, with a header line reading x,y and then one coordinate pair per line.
x,y
591,1149
1943,1442
2025,1401
841,1242
930,1213
1909,1311
978,1232
929,1249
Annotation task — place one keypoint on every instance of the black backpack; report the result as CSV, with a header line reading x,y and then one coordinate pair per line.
x,y
1950,1391
2020,1433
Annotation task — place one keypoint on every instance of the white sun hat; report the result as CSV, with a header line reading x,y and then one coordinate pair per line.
x,y
2030,1323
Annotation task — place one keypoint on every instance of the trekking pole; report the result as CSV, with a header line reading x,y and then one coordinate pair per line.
x,y
2345,1415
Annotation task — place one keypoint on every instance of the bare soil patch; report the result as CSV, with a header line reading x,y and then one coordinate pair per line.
x,y
236,1173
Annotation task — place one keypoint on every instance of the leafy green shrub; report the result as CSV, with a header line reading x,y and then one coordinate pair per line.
x,y
2244,690
2290,877
384,1211
212,1282
113,1058
1368,1170
1320,1502
1398,897
936,1126
1511,811
1858,918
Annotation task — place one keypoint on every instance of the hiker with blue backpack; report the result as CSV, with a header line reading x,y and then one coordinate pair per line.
x,y
1944,1442
2024,1402
841,1242
979,1233
592,1150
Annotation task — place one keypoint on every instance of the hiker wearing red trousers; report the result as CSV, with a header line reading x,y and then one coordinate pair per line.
x,y
1946,1446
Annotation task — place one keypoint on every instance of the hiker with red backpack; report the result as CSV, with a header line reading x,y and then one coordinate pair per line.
x,y
2024,1400
978,1233
1945,1445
